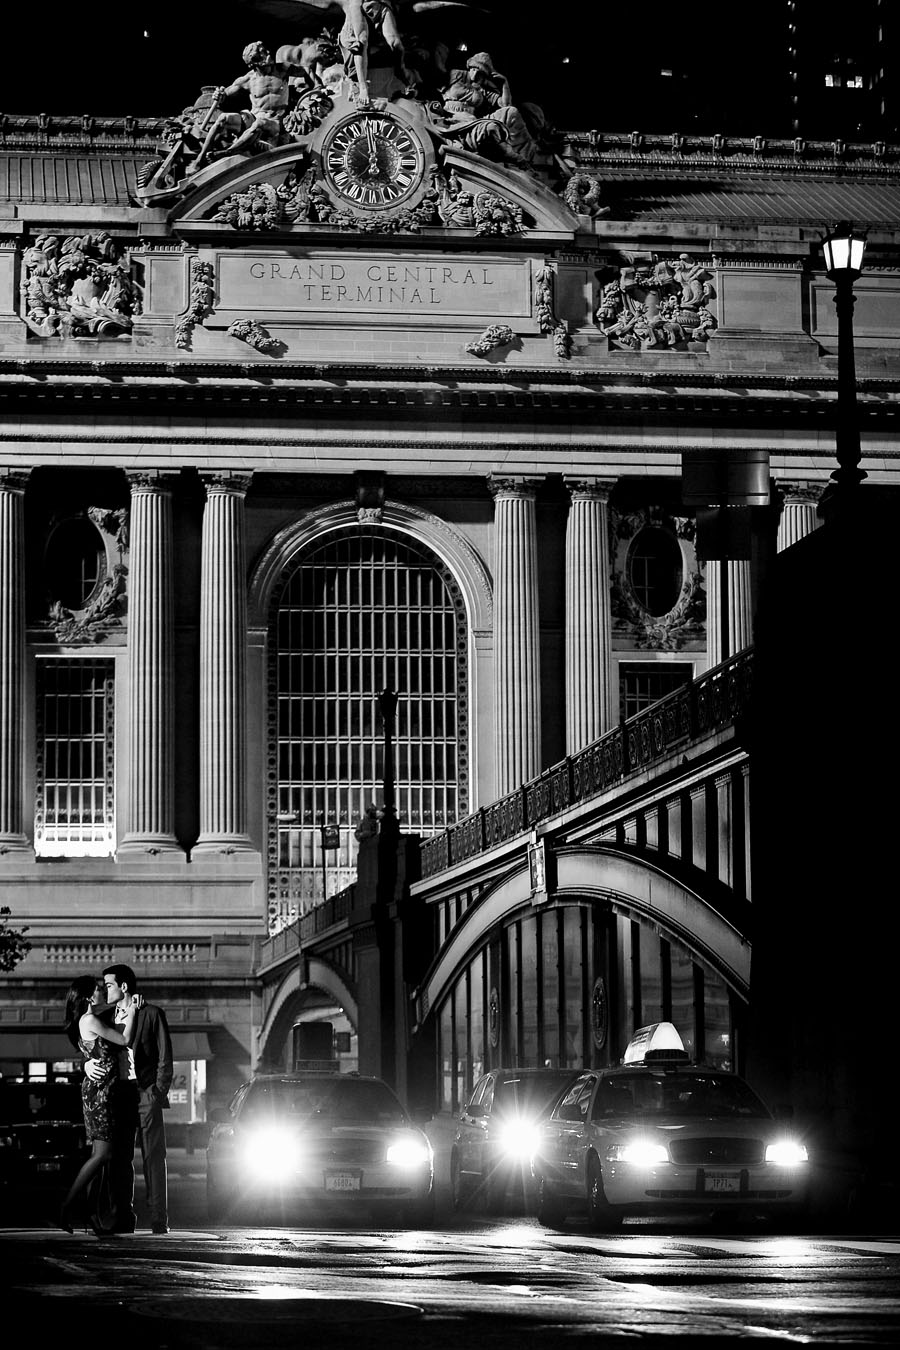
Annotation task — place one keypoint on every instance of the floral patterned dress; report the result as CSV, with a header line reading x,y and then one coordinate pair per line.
x,y
95,1097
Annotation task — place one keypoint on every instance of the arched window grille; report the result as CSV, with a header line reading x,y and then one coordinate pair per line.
x,y
361,610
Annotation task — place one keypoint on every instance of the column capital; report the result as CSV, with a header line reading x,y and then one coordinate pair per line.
x,y
514,485
589,489
150,480
223,481
14,479
800,492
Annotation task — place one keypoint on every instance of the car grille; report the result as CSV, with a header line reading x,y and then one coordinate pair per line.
x,y
712,1152
345,1152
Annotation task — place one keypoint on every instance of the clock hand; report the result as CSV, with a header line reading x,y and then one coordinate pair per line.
x,y
374,169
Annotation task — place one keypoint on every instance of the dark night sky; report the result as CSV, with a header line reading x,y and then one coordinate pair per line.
x,y
588,65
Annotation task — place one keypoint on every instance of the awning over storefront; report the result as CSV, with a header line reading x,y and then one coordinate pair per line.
x,y
41,1045
190,1045
50,1045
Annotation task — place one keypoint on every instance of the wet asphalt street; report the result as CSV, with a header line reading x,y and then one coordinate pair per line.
x,y
474,1280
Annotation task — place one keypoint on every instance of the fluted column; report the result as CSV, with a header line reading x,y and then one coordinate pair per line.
x,y
517,691
588,618
12,659
223,667
798,512
151,669
729,619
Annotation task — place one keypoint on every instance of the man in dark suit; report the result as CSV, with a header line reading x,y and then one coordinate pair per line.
x,y
141,1098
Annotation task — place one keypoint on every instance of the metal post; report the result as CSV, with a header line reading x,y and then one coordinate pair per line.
x,y
387,702
847,443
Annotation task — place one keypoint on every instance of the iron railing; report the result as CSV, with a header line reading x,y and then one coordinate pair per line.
x,y
695,710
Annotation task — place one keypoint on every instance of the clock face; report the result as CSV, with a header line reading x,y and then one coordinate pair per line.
x,y
371,160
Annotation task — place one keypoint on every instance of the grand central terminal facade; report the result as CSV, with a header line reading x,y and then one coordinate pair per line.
x,y
390,395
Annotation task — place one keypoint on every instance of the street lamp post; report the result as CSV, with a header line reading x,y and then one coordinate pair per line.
x,y
844,248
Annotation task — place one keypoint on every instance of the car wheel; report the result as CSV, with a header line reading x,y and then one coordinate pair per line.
x,y
457,1193
550,1211
601,1214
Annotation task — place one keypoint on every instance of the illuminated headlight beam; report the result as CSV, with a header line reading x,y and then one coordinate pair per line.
x,y
518,1139
787,1153
269,1153
639,1153
408,1153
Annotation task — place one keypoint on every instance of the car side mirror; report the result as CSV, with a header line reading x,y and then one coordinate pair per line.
x,y
476,1109
421,1115
219,1115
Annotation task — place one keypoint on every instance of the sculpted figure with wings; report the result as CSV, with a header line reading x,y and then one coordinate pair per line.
x,y
358,17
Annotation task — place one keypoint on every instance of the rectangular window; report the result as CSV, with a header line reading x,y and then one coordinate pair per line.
x,y
75,772
643,683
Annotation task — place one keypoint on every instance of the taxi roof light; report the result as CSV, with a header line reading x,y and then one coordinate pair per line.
x,y
658,1043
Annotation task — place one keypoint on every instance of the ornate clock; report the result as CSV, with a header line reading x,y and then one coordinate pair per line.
x,y
372,160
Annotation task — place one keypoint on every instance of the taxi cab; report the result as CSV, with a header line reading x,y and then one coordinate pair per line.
x,y
659,1135
294,1142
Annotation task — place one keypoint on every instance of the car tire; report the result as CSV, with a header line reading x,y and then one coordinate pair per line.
x,y
602,1216
457,1190
550,1210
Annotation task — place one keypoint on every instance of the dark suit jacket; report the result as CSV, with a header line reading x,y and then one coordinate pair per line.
x,y
152,1048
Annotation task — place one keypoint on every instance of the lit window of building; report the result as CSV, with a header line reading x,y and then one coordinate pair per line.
x,y
74,780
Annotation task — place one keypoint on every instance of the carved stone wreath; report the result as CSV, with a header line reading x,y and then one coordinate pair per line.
x,y
685,621
104,607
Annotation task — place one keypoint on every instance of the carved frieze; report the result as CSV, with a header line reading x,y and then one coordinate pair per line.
x,y
249,331
202,300
80,286
495,335
654,304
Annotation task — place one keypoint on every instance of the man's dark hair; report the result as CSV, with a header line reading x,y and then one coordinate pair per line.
x,y
123,975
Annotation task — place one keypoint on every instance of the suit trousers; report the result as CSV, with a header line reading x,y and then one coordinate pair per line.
x,y
138,1119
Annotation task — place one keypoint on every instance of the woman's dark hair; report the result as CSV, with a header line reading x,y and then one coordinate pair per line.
x,y
77,1002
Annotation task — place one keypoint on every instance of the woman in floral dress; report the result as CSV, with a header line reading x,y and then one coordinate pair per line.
x,y
89,1027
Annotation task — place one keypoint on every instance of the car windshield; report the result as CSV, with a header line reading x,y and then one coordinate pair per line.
x,y
348,1100
676,1094
530,1094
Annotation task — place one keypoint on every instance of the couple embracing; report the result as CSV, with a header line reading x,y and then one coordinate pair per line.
x,y
128,1070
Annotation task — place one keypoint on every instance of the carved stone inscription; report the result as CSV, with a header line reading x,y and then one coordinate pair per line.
x,y
352,284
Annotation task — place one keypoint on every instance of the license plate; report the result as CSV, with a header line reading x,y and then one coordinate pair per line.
x,y
719,1182
48,1167
343,1181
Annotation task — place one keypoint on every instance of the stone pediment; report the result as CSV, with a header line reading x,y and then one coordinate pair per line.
x,y
303,187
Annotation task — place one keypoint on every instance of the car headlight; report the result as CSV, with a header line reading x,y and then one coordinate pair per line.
x,y
269,1153
786,1153
408,1153
518,1138
639,1153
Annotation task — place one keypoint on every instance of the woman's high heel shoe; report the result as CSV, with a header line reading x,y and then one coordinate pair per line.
x,y
97,1227
64,1221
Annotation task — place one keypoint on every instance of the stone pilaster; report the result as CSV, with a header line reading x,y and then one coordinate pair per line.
x,y
223,668
12,660
588,617
729,618
517,690
798,512
151,670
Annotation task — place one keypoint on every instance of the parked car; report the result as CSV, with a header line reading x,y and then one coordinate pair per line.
x,y
490,1158
290,1143
660,1135
42,1140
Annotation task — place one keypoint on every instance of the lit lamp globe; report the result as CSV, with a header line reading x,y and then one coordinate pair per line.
x,y
844,248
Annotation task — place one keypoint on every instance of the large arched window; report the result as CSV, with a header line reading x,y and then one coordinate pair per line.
x,y
362,609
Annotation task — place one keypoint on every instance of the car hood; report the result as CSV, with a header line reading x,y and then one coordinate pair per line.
x,y
665,1128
